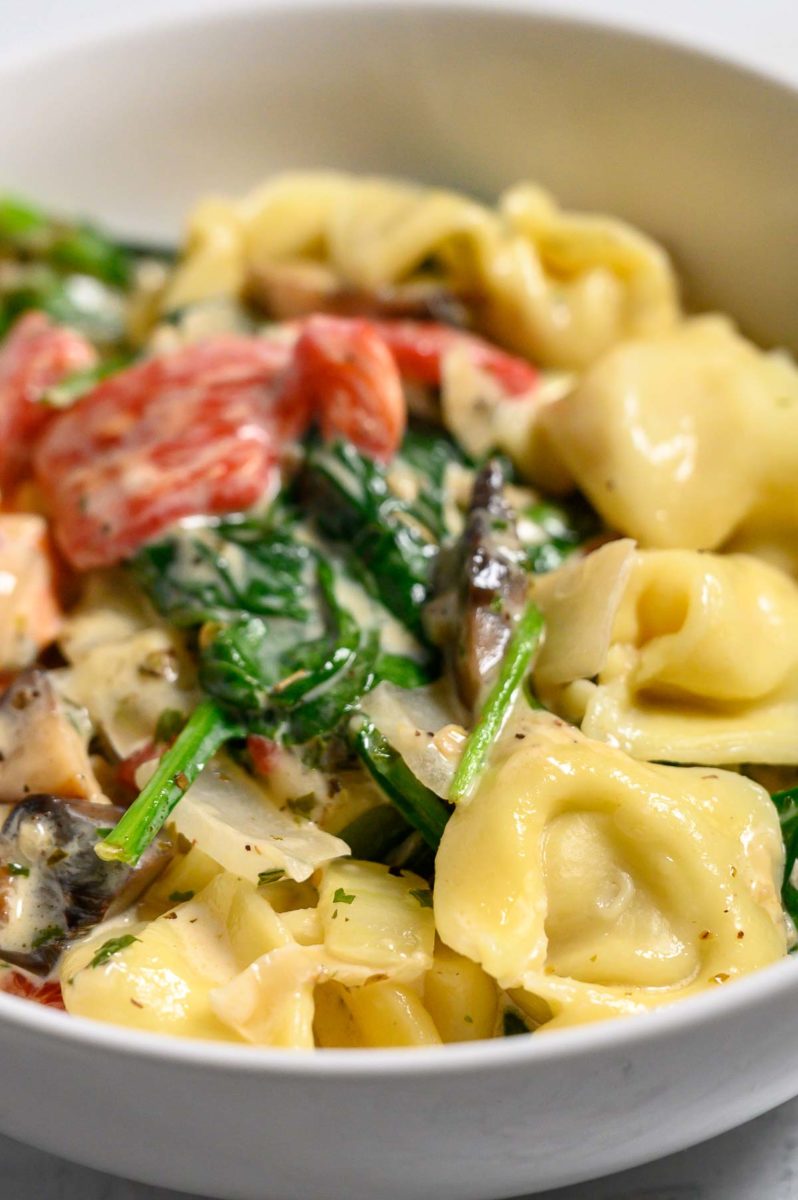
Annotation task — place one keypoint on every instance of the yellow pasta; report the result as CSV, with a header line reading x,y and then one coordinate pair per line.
x,y
391,1014
671,681
377,920
271,1002
685,439
333,1023
160,980
461,998
610,886
558,287
186,876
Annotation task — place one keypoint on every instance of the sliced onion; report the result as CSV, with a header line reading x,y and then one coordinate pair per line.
x,y
231,816
424,725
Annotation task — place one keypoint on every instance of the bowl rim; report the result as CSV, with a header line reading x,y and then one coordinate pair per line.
x,y
613,1035
538,11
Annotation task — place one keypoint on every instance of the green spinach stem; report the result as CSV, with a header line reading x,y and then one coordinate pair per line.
x,y
518,656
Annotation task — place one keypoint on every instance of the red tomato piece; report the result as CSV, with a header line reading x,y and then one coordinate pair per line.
x,y
419,348
14,983
264,753
198,431
344,374
126,769
36,355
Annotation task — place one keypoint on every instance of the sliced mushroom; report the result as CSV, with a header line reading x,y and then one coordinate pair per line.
x,y
289,290
482,588
42,748
54,884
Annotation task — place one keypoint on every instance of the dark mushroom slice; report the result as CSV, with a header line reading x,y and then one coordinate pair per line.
x,y
53,884
41,748
286,291
483,587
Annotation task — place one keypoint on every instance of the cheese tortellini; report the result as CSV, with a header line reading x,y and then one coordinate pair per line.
x,y
685,439
590,885
700,666
704,662
559,287
225,964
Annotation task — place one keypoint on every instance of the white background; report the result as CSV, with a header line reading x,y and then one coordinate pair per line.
x,y
759,1162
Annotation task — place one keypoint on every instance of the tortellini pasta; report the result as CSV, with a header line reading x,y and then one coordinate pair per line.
x,y
610,886
685,439
225,964
701,665
559,287
579,602
160,975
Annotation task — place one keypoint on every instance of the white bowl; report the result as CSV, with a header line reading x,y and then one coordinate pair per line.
x,y
703,156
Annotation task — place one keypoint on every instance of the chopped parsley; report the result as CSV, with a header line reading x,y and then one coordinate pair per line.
x,y
302,806
513,1024
17,869
169,725
272,876
423,895
45,936
180,897
111,947
343,897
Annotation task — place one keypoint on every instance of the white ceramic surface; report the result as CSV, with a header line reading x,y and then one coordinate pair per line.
x,y
700,154
757,1162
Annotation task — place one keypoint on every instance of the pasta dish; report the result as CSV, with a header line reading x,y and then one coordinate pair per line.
x,y
398,622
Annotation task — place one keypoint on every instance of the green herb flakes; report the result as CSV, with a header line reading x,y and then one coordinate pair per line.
x,y
272,876
43,938
343,897
302,806
111,947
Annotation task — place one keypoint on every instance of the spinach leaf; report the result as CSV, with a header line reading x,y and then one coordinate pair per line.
x,y
429,452
416,803
376,832
298,689
278,648
564,527
253,566
205,732
787,805
72,247
403,671
87,305
20,222
392,550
